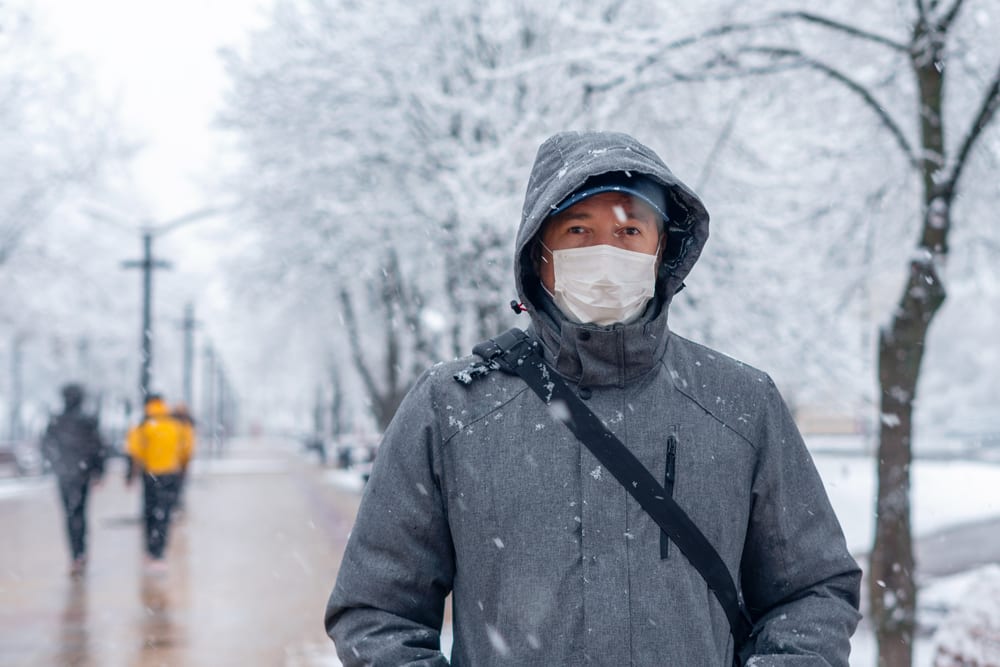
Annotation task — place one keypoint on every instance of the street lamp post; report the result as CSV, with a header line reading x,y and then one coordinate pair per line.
x,y
189,324
147,264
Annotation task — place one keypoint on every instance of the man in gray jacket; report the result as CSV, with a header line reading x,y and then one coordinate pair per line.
x,y
73,448
479,492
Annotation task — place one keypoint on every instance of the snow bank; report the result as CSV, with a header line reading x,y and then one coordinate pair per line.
x,y
850,483
19,486
970,634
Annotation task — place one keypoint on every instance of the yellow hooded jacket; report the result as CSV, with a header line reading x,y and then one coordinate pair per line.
x,y
160,443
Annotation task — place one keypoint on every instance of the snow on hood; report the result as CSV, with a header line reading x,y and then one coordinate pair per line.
x,y
566,160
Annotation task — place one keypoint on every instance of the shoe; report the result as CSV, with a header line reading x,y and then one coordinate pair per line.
x,y
78,566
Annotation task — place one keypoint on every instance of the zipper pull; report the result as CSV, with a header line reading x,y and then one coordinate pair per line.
x,y
669,475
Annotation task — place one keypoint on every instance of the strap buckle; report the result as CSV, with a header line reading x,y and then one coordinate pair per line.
x,y
508,350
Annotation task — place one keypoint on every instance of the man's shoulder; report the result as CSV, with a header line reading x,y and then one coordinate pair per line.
x,y
697,360
467,378
730,390
450,388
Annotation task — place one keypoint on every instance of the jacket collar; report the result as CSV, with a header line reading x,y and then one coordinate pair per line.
x,y
595,356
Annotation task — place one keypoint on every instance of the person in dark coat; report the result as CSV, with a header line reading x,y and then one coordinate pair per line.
x,y
74,451
479,492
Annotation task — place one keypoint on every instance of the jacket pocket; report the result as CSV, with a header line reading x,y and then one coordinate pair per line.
x,y
669,476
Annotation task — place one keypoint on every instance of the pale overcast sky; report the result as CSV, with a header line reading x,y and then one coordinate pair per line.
x,y
158,62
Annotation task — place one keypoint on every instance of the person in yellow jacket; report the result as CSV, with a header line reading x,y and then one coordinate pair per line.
x,y
161,448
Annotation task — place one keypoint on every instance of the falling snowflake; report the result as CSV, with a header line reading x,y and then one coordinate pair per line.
x,y
497,641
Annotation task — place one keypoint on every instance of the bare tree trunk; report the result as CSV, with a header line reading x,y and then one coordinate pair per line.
x,y
892,591
399,310
336,404
379,399
318,430
452,284
892,588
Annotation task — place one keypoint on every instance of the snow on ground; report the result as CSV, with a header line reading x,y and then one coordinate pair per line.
x,y
971,634
348,480
944,493
959,607
850,483
238,466
17,486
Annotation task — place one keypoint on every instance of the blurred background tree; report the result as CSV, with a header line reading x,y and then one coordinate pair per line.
x,y
824,145
57,141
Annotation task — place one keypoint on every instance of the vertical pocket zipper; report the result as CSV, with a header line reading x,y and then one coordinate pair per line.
x,y
669,476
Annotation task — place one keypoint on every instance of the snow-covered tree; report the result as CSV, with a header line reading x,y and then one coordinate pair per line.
x,y
969,636
925,86
411,133
55,140
364,143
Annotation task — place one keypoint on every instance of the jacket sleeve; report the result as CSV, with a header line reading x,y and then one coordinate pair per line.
x,y
800,583
388,602
136,452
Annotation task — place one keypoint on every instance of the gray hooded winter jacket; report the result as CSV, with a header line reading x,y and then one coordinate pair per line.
x,y
477,491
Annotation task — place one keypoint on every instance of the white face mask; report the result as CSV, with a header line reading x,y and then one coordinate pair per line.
x,y
603,284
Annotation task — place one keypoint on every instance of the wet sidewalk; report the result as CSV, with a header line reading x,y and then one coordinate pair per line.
x,y
250,564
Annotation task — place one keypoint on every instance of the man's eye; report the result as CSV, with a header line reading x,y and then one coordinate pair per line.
x,y
576,229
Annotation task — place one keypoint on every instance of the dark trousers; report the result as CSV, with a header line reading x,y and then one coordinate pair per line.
x,y
159,496
73,491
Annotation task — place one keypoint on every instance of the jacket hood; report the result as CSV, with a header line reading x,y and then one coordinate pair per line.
x,y
565,161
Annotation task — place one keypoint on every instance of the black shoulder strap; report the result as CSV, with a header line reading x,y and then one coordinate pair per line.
x,y
516,353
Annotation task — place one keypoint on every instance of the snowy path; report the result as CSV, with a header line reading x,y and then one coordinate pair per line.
x,y
250,566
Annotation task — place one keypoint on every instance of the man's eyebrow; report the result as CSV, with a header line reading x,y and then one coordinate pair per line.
x,y
632,216
572,215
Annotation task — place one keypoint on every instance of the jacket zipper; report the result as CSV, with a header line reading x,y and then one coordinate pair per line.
x,y
669,476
